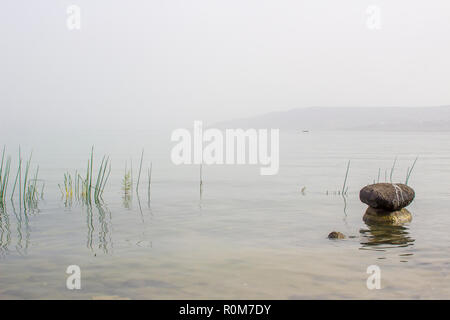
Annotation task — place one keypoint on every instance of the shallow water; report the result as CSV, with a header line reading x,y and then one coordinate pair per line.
x,y
248,236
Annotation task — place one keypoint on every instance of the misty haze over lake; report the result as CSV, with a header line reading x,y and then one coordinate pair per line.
x,y
92,109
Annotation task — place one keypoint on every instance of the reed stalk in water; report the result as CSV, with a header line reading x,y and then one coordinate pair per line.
x,y
126,182
4,177
90,174
1,167
408,172
126,187
102,179
42,190
32,197
344,190
25,183
17,178
149,182
68,190
392,169
20,180
139,174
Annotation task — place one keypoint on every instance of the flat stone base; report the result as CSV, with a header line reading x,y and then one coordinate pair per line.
x,y
380,216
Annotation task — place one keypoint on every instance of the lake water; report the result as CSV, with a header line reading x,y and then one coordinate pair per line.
x,y
247,236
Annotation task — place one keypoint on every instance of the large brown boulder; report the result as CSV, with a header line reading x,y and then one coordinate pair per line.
x,y
387,196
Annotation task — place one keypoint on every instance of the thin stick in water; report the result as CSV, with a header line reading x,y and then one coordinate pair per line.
x,y
139,174
345,180
392,169
409,171
149,181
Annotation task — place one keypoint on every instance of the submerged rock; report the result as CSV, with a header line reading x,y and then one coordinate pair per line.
x,y
380,216
336,235
387,196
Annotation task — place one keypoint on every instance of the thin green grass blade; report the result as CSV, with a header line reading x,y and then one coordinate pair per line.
x,y
140,169
345,180
17,178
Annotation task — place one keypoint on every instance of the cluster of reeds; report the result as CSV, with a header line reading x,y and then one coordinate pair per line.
x,y
386,179
84,188
68,185
391,174
127,185
28,190
127,182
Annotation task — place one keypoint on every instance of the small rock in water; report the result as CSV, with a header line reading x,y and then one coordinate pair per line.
x,y
387,196
336,235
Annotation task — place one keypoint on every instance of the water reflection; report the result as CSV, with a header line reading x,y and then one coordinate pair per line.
x,y
383,237
344,197
140,208
126,201
7,230
104,219
102,223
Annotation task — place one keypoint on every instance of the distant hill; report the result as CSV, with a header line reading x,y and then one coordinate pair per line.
x,y
350,118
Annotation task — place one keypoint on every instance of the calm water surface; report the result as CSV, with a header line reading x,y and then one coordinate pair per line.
x,y
248,236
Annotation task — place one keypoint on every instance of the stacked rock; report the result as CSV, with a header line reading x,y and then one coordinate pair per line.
x,y
387,202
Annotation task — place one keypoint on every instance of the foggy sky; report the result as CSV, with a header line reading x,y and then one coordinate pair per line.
x,y
163,62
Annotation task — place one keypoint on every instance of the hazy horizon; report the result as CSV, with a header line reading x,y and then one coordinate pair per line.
x,y
155,64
